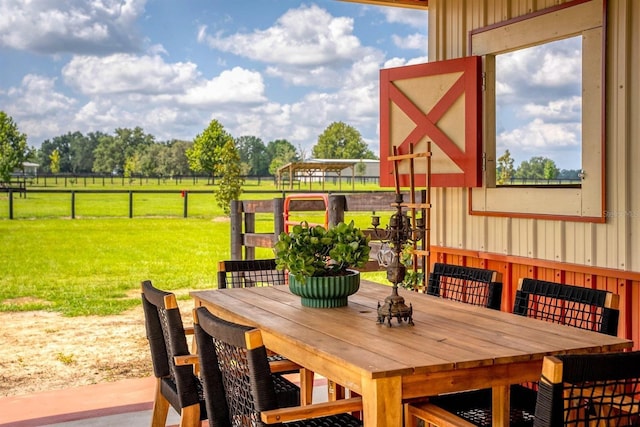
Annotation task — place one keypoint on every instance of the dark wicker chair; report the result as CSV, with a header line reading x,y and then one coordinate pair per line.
x,y
233,363
176,386
588,390
470,285
249,273
576,306
584,308
174,366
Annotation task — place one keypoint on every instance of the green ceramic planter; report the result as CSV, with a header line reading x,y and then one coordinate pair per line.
x,y
326,292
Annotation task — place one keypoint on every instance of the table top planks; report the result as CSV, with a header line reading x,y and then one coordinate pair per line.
x,y
447,334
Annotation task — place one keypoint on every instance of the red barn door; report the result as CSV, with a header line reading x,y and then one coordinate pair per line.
x,y
441,102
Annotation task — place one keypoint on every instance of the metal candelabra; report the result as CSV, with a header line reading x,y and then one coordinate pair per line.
x,y
397,234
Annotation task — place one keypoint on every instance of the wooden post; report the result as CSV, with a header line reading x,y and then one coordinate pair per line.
x,y
249,227
337,205
278,217
73,205
10,203
236,229
130,203
186,203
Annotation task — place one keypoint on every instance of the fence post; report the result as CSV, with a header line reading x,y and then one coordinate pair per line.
x,y
337,204
278,217
185,208
73,204
249,227
235,223
10,203
130,204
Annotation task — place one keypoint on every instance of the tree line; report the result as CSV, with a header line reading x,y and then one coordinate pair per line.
x,y
131,152
536,167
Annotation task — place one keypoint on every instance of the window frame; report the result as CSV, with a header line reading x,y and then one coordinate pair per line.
x,y
584,18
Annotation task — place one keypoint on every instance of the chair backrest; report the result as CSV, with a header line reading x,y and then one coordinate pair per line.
x,y
249,273
233,363
584,308
589,390
166,336
476,286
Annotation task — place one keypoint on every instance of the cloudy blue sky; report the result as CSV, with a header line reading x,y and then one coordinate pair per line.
x,y
269,68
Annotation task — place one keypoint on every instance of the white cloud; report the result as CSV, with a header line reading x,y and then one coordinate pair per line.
x,y
538,136
121,73
38,108
412,17
72,26
563,109
232,86
416,41
558,68
308,36
401,62
37,96
552,67
168,100
305,46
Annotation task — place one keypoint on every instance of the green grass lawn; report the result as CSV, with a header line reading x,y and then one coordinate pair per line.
x,y
93,265
81,267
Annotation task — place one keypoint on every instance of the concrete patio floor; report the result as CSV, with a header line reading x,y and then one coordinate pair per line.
x,y
121,403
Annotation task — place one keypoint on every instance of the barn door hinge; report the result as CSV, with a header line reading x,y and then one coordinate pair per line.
x,y
484,81
484,161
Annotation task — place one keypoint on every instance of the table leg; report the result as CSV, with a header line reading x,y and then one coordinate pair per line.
x,y
306,386
501,405
382,402
335,391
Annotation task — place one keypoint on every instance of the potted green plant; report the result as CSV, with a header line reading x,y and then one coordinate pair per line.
x,y
321,262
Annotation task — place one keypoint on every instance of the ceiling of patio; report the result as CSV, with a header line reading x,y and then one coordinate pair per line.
x,y
415,4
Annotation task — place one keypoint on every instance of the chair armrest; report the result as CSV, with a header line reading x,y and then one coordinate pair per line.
x,y
431,413
311,411
187,359
277,366
283,366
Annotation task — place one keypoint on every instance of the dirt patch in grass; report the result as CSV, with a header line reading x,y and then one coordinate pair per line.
x,y
44,351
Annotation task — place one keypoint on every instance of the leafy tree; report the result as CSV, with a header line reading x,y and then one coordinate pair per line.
x,y
108,156
13,147
537,168
551,171
254,154
281,152
203,156
155,160
505,169
229,170
132,165
341,141
61,144
569,174
179,163
81,148
55,161
112,153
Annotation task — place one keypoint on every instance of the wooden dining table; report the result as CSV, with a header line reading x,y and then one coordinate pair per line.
x,y
452,346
